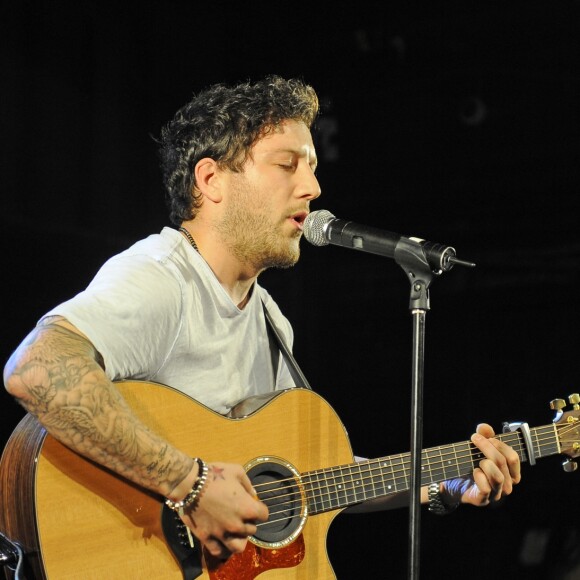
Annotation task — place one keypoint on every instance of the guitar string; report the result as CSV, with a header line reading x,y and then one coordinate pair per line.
x,y
345,491
350,496
440,456
364,477
343,488
293,503
328,499
370,462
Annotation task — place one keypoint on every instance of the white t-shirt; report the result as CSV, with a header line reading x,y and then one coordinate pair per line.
x,y
157,312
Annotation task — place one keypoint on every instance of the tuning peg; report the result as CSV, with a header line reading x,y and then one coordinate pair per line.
x,y
569,466
574,399
557,404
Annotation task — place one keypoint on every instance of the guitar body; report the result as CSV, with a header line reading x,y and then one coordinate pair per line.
x,y
76,520
85,522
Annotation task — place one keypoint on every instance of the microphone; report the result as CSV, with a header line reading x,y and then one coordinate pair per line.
x,y
322,228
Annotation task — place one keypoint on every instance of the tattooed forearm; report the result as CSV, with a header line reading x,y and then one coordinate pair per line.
x,y
56,376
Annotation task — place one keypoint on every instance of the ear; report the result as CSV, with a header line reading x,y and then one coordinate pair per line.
x,y
207,174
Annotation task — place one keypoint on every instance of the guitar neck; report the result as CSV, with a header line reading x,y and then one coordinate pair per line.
x,y
346,485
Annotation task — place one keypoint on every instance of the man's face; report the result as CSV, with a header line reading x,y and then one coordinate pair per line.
x,y
267,202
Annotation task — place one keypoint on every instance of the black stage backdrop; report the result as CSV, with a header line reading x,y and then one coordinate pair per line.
x,y
456,122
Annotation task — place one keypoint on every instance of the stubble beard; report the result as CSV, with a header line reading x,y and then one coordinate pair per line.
x,y
251,243
254,239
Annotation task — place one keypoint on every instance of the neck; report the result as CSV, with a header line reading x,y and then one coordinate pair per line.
x,y
237,278
237,282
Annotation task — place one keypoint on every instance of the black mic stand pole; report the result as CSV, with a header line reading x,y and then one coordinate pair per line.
x,y
411,256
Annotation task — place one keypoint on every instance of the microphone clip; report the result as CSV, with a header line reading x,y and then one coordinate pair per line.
x,y
422,262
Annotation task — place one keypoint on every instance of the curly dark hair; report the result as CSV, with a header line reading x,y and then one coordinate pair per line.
x,y
223,122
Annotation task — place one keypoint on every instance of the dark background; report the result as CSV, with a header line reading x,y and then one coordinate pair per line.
x,y
454,121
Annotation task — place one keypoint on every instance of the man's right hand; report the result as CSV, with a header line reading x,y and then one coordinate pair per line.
x,y
226,512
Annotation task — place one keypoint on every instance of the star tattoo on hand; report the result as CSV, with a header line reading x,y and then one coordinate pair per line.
x,y
218,472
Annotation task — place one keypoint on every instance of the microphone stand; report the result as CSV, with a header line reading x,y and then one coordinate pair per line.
x,y
411,256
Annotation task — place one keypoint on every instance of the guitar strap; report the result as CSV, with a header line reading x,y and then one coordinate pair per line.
x,y
278,345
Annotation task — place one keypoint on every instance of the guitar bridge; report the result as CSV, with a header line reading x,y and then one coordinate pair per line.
x,y
180,542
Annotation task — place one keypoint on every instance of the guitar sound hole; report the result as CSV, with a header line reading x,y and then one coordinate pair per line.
x,y
278,488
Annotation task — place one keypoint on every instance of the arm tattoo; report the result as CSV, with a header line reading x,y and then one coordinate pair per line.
x,y
56,376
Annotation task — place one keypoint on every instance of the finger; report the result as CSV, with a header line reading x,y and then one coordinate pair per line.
x,y
259,510
250,528
235,543
489,447
485,430
511,457
496,469
484,490
247,484
262,512
216,548
495,480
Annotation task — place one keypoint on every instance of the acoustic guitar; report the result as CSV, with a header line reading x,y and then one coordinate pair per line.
x,y
77,520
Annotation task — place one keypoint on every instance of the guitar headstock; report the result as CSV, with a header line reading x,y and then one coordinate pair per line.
x,y
568,429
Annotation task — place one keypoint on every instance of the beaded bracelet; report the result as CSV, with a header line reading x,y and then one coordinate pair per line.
x,y
195,492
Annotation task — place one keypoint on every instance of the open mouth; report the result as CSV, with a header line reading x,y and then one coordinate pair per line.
x,y
298,219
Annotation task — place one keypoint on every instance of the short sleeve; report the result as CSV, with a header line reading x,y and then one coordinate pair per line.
x,y
131,312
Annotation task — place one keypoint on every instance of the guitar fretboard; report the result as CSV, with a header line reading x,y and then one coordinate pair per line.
x,y
346,485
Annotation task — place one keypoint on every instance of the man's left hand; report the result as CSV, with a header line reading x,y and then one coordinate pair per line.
x,y
495,476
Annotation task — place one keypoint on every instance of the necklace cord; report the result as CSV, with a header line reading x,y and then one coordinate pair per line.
x,y
189,237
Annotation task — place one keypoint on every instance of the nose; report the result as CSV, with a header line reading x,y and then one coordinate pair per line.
x,y
308,186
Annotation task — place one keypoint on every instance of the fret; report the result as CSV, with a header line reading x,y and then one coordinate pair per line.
x,y
336,489
345,485
520,446
351,497
332,488
549,440
325,492
441,466
322,491
392,486
544,439
516,441
446,462
465,459
342,489
376,479
538,447
359,490
400,479
542,445
426,469
456,459
380,482
312,488
388,475
395,466
434,459
370,480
